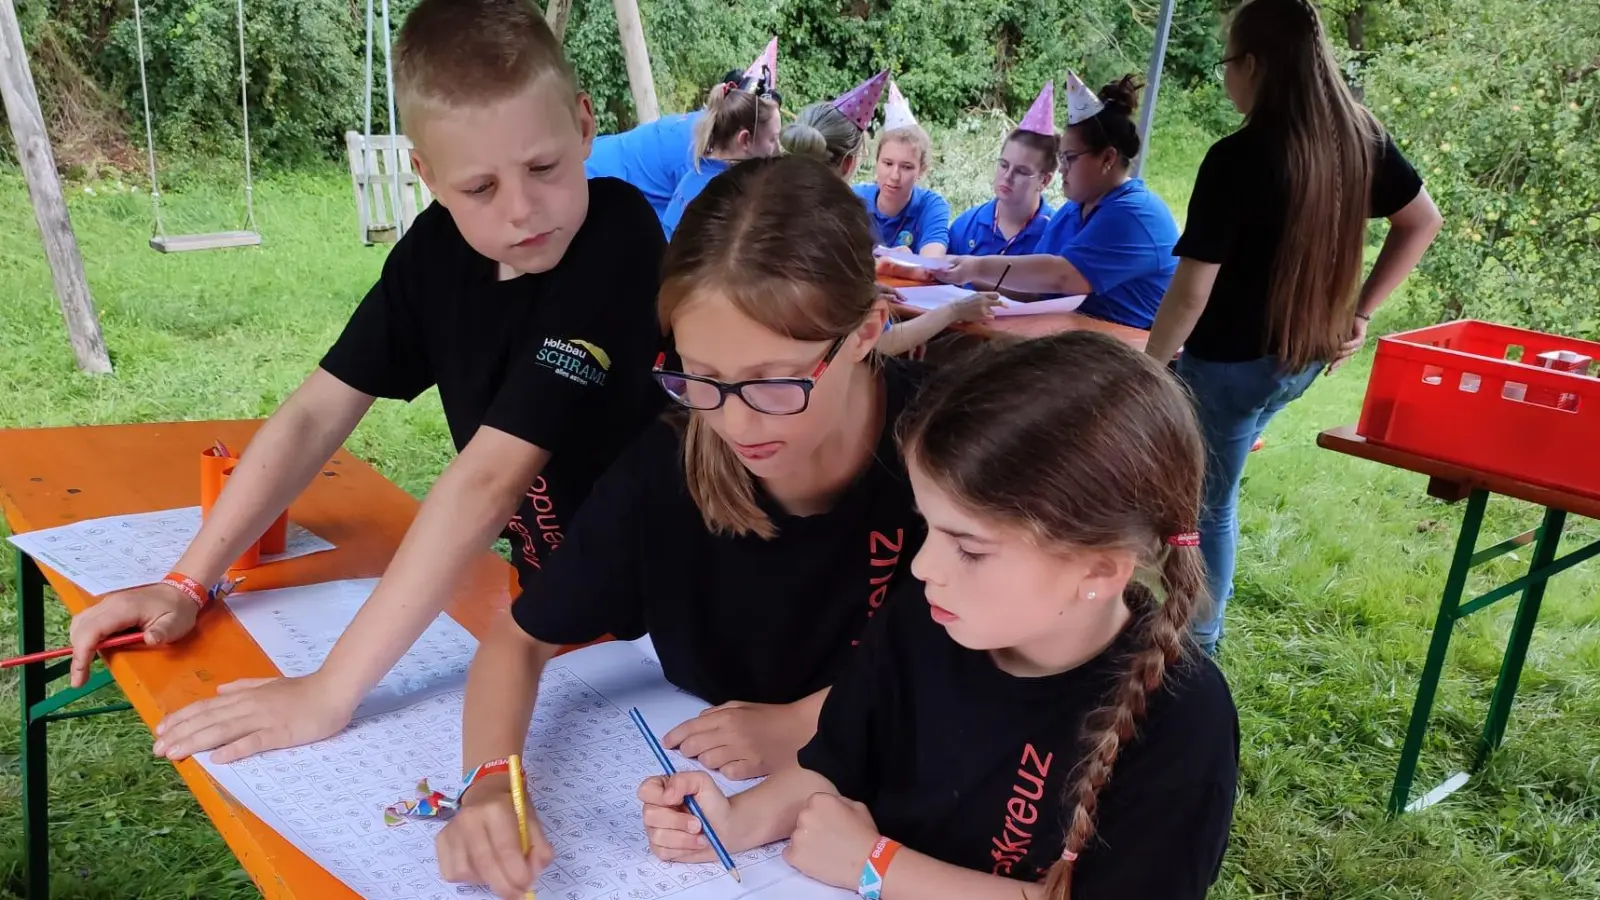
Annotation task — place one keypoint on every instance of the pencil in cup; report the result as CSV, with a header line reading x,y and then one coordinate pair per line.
x,y
694,808
519,801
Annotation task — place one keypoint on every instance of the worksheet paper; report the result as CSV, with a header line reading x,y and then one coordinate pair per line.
x,y
584,758
933,296
119,552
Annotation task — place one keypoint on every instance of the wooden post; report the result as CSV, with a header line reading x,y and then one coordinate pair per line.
x,y
638,59
44,189
556,12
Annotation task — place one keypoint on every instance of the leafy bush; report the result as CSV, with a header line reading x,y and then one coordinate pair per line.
x,y
1501,113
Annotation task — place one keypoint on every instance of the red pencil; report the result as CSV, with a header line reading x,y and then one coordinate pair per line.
x,y
123,640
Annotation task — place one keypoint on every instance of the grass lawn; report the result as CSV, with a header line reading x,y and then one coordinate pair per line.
x,y
1341,566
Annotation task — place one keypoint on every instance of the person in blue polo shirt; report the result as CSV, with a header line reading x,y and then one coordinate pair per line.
x,y
741,121
905,213
1011,223
653,157
1113,238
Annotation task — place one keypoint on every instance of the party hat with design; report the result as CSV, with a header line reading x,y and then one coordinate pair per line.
x,y
860,102
1041,117
765,65
1082,104
896,110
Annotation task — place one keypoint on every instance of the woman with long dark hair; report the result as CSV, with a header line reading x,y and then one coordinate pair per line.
x,y
1268,290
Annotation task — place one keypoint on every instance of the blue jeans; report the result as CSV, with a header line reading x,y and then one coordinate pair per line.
x,y
1235,401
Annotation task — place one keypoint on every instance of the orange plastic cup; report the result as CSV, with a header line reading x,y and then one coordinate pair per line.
x,y
251,557
212,466
276,540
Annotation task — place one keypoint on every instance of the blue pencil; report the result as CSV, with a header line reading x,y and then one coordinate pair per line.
x,y
666,764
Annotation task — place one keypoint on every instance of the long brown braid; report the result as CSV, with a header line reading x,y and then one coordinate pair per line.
x,y
1089,445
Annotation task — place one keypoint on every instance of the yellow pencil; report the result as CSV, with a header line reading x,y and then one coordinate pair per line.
x,y
519,800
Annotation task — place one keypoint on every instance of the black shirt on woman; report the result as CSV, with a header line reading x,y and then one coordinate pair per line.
x,y
732,618
1236,218
960,761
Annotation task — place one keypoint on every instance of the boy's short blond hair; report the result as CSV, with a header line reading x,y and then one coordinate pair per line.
x,y
455,53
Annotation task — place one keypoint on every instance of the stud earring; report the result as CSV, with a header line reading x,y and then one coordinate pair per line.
x,y
1090,596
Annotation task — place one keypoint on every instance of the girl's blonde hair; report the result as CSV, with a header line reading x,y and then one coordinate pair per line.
x,y
912,136
729,110
807,277
822,132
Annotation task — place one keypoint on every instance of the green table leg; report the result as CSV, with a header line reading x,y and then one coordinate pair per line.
x,y
1449,612
35,784
1505,689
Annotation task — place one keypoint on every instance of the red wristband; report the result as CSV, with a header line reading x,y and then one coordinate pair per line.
x,y
189,587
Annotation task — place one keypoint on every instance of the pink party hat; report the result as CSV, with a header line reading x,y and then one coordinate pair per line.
x,y
860,102
1081,102
896,110
1041,117
768,60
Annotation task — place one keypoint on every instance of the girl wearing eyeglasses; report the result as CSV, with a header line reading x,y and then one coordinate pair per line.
x,y
741,122
754,533
1012,223
1112,240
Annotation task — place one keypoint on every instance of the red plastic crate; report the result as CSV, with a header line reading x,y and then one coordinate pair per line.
x,y
1450,392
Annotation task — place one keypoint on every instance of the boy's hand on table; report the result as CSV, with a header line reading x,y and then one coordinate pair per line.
x,y
162,611
832,839
254,715
744,740
481,844
675,834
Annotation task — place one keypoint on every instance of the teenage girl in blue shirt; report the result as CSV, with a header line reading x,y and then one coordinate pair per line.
x,y
1012,223
905,213
1113,238
740,122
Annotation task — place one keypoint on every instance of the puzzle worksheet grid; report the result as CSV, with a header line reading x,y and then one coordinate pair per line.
x,y
585,762
298,626
119,552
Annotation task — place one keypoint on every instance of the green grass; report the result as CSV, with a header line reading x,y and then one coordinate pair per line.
x,y
1341,565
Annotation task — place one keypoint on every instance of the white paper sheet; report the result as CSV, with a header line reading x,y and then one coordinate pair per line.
x,y
933,296
585,761
1041,307
298,626
907,258
120,552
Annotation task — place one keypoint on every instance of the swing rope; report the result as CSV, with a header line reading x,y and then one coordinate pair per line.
x,y
149,126
244,109
149,133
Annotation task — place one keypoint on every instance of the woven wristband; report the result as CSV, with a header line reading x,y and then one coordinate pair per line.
x,y
876,867
189,587
492,767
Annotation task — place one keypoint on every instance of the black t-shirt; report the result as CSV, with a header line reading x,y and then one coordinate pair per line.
x,y
560,359
960,761
1236,218
732,618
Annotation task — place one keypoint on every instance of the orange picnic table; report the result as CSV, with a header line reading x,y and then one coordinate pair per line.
x,y
1031,326
56,476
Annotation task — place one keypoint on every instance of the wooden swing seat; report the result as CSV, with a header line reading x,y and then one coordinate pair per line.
x,y
182,243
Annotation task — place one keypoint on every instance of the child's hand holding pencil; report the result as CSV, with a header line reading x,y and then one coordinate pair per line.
x,y
482,844
676,834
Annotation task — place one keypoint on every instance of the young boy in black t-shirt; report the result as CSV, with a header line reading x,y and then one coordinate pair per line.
x,y
526,294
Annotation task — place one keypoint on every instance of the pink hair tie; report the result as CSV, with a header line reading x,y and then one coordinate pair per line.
x,y
1186,539
1069,856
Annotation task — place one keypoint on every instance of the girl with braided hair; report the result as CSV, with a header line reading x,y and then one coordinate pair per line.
x,y
1268,290
1041,726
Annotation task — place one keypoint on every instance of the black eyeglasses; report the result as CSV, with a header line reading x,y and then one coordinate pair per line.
x,y
771,396
1222,65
